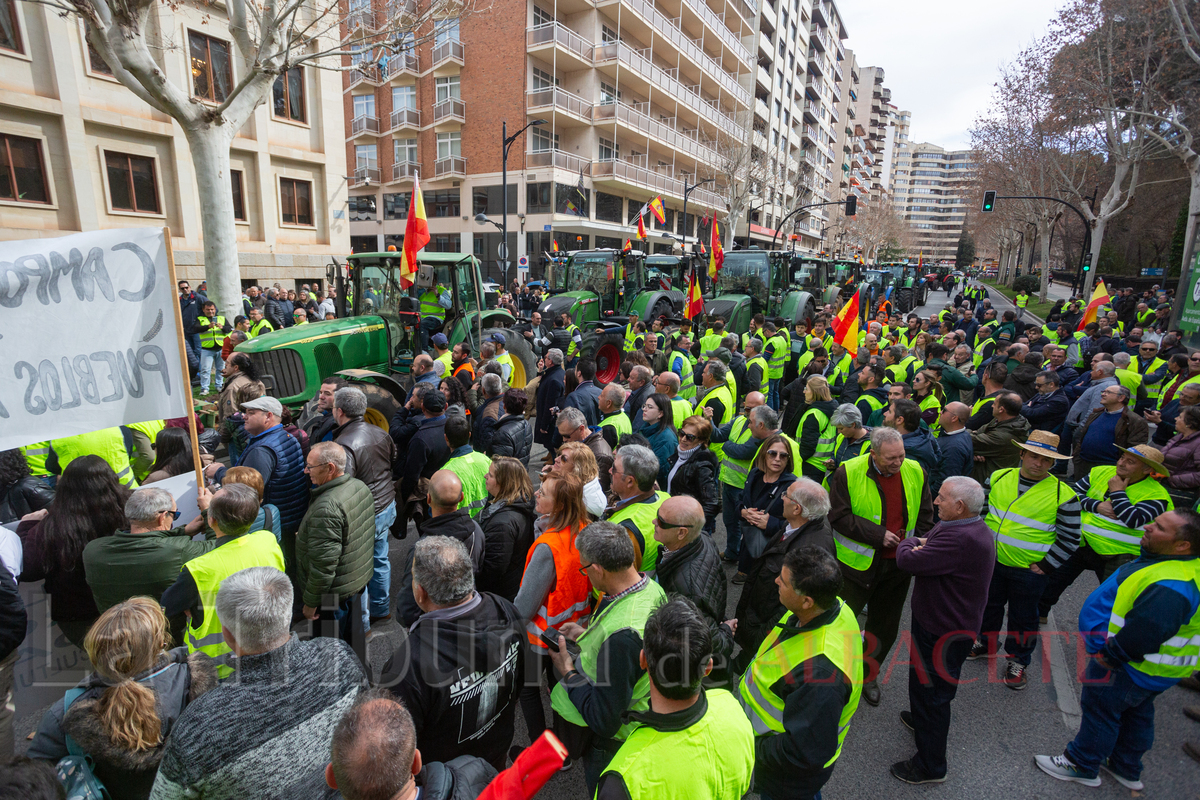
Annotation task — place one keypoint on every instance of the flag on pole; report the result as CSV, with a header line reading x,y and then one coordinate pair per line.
x,y
694,306
1092,312
628,244
416,236
642,228
656,207
716,258
554,245
920,258
845,326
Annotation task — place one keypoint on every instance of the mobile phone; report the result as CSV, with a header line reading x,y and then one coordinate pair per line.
x,y
550,637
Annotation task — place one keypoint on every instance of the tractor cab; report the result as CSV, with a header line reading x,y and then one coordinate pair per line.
x,y
748,273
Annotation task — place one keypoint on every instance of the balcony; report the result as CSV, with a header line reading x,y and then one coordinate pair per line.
x,y
818,38
361,21
364,176
449,114
716,23
398,66
818,14
660,182
447,58
405,170
451,166
401,10
812,111
365,73
574,50
567,108
687,142
834,116
405,118
815,63
810,133
556,158
364,126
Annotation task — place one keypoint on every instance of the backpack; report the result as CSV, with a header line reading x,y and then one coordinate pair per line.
x,y
75,769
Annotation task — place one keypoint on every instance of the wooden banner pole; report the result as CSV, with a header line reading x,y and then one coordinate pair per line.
x,y
183,362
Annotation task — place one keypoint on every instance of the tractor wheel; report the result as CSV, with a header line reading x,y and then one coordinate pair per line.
x,y
904,300
607,351
524,366
382,405
662,308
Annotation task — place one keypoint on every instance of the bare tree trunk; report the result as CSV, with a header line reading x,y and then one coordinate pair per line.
x,y
1089,277
1044,227
210,158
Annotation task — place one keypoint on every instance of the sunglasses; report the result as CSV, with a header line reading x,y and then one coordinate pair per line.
x,y
174,514
688,437
660,522
774,454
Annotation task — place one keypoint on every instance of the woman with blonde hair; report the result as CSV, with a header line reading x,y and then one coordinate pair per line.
x,y
771,473
816,433
578,459
268,514
121,715
507,522
554,590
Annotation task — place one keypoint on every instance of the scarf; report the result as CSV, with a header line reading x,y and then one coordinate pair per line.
x,y
684,455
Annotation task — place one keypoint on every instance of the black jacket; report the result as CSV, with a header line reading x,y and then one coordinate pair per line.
x,y
273,313
1021,380
456,525
586,398
189,307
459,672
697,478
13,619
1047,412
549,395
25,496
758,607
695,572
463,778
635,401
427,453
507,537
483,424
512,437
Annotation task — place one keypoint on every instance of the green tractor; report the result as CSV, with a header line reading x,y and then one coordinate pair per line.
x,y
375,343
774,283
911,288
600,289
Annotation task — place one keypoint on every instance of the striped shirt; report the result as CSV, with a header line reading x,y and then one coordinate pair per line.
x,y
1067,523
1131,515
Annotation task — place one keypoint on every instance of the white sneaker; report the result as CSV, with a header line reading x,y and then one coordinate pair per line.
x,y
1062,768
1136,786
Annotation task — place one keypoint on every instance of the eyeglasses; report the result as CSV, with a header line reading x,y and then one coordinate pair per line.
x,y
660,522
688,437
776,454
174,514
583,570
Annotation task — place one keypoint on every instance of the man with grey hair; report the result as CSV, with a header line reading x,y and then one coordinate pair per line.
x,y
230,514
640,387
602,680
853,438
459,669
1112,423
953,568
614,422
1103,376
554,356
488,412
715,394
370,454
806,510
634,472
267,732
877,500
146,559
334,547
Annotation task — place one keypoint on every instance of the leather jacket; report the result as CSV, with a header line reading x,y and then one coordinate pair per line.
x,y
20,498
370,452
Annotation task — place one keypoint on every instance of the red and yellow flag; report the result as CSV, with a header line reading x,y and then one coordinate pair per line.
x,y
656,207
628,245
416,236
642,228
845,326
554,245
694,305
716,258
1092,312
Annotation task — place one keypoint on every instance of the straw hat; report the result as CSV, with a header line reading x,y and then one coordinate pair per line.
x,y
1152,457
1043,443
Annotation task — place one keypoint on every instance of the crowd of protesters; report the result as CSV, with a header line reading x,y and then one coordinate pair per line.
x,y
978,457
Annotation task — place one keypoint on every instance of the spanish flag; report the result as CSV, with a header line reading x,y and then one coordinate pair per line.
x,y
416,236
1092,312
656,207
642,228
845,326
716,258
694,306
554,245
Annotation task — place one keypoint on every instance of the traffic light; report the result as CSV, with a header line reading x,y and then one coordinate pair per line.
x,y
1087,265
989,201
851,205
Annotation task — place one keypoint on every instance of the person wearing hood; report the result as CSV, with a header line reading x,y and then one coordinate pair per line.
x,y
459,671
658,426
993,442
445,497
507,523
513,435
121,715
919,443
816,433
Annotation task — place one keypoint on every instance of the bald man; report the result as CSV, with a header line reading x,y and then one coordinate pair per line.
x,y
689,565
958,452
422,370
447,519
613,421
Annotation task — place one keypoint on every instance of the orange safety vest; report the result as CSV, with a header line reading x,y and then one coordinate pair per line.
x,y
466,365
569,600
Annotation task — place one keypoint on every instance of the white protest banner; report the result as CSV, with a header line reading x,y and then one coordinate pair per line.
x,y
183,489
87,335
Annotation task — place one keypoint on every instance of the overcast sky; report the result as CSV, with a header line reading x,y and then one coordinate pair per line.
x,y
941,57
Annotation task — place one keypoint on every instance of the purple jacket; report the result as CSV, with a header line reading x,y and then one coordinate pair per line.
x,y
1182,457
953,571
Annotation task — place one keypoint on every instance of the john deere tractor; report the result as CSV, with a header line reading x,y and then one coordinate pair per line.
x,y
600,289
774,283
375,343
912,289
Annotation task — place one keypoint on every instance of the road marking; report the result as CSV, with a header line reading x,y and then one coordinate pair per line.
x,y
1064,680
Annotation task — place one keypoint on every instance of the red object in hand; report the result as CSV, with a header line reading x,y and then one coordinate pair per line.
x,y
536,765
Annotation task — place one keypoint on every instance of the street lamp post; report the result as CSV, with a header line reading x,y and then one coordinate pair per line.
x,y
507,143
686,191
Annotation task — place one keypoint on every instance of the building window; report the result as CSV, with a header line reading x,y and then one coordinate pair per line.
x,y
608,243
608,207
543,79
443,204
395,206
445,30
404,150
609,150
544,141
361,207
364,244
541,16
571,200
22,172
404,97
289,95
212,69
608,35
444,243
239,194
131,183
96,62
489,199
364,105
538,198
366,156
449,145
10,31
448,87
608,94
295,201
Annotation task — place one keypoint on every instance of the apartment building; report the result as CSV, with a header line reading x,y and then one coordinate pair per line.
x,y
862,140
625,99
80,152
929,189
